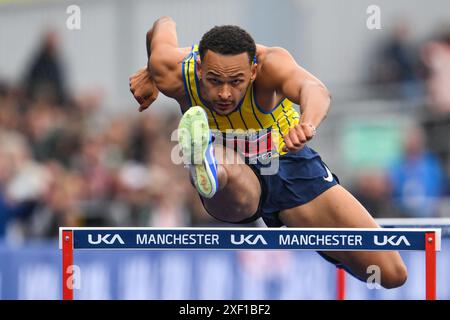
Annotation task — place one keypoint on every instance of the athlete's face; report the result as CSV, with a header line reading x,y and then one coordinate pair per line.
x,y
225,79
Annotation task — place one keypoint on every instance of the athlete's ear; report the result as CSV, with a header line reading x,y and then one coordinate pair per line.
x,y
253,71
199,67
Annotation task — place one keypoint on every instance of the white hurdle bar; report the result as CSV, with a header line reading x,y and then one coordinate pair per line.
x,y
316,239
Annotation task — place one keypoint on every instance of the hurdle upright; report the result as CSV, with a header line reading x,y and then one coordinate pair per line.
x,y
316,239
416,223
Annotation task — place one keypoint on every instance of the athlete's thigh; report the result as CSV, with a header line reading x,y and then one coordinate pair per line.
x,y
334,208
337,208
240,177
240,196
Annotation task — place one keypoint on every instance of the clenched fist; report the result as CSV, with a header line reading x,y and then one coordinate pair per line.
x,y
143,88
297,136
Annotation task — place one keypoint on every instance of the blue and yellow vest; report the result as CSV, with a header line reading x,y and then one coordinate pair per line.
x,y
248,117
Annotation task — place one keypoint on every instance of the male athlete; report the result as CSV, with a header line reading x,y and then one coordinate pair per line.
x,y
227,83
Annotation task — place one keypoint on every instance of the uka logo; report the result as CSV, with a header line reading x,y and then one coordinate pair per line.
x,y
105,239
250,239
392,240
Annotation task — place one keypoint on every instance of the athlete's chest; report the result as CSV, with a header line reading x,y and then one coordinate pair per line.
x,y
265,98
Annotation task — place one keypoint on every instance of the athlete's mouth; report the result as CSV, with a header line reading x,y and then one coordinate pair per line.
x,y
224,105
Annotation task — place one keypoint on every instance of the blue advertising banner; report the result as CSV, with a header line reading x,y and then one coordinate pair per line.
x,y
255,238
34,272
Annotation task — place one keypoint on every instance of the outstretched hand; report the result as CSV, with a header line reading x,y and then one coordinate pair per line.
x,y
143,88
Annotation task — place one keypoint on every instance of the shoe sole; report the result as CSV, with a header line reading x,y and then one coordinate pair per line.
x,y
193,137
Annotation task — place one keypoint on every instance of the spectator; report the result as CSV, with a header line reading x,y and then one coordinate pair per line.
x,y
22,181
371,188
417,179
398,64
45,78
436,55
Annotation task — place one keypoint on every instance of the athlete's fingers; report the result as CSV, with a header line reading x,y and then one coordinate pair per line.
x,y
309,130
139,99
293,136
134,79
300,134
148,101
144,106
143,88
288,144
143,92
138,82
140,92
132,87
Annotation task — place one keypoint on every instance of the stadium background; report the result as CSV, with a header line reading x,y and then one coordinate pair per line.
x,y
74,151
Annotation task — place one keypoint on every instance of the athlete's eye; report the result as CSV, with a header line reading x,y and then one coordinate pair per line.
x,y
213,81
236,82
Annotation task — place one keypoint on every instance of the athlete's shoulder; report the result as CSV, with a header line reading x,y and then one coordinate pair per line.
x,y
272,56
273,63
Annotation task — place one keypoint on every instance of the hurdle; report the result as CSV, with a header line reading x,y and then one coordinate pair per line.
x,y
413,223
315,239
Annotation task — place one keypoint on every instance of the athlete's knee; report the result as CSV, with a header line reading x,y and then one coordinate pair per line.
x,y
233,208
386,269
241,207
247,201
246,204
235,215
394,274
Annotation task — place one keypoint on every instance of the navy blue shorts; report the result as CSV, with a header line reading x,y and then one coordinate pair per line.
x,y
301,177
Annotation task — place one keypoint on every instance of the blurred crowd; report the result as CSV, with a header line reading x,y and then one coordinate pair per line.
x,y
417,184
64,163
64,166
415,68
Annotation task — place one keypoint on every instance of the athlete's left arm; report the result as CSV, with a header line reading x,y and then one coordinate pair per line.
x,y
300,86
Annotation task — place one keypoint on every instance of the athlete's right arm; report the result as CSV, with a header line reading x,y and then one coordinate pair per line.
x,y
163,71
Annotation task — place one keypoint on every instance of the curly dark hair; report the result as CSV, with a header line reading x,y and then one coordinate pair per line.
x,y
227,40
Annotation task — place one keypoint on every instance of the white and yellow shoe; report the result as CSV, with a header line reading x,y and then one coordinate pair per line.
x,y
196,143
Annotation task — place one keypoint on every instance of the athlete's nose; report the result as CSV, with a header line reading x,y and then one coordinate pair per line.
x,y
224,92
